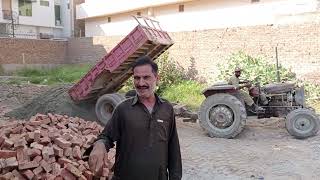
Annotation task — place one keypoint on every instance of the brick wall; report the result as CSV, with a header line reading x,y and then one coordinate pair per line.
x,y
31,51
89,50
298,48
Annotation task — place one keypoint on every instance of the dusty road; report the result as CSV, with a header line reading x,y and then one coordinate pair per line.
x,y
264,150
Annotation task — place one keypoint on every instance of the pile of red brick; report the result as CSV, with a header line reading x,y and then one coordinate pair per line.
x,y
49,147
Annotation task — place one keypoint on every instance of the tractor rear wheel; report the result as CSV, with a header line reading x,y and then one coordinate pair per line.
x,y
105,107
222,115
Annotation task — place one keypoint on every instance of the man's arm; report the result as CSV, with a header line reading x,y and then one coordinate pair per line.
x,y
175,165
104,142
111,131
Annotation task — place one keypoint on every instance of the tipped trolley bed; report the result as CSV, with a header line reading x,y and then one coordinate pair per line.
x,y
109,74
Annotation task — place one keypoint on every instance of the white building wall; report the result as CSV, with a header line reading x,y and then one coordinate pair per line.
x,y
66,18
43,19
208,14
41,15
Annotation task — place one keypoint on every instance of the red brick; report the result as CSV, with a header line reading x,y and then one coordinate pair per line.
x,y
56,169
28,165
45,140
11,162
29,128
30,137
63,161
47,152
76,141
46,166
37,170
45,126
82,168
62,143
61,126
7,154
8,175
2,163
17,175
28,174
86,165
44,133
67,136
33,152
2,138
21,143
17,129
76,152
36,145
48,176
67,175
37,135
90,139
22,155
52,160
68,152
57,151
58,178
82,177
7,143
37,158
88,175
75,171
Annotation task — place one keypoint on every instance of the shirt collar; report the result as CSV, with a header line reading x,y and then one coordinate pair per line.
x,y
136,100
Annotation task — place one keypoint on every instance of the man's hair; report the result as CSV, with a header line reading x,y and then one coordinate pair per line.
x,y
145,60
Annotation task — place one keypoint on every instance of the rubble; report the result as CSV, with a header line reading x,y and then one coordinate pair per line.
x,y
49,147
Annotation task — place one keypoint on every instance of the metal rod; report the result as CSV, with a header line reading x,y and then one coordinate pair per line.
x,y
278,73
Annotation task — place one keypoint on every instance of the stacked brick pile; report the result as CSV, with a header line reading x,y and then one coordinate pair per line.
x,y
49,147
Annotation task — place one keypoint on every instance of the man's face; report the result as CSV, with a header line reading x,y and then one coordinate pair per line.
x,y
145,80
237,73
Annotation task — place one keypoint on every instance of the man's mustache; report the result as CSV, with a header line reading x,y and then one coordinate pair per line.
x,y
142,87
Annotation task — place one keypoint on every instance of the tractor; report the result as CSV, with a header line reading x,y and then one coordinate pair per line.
x,y
223,113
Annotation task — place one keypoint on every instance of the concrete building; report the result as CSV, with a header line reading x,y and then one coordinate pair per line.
x,y
108,18
35,18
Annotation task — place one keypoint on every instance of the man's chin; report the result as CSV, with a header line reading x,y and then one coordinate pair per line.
x,y
143,94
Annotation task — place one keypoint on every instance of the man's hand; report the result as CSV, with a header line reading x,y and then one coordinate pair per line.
x,y
97,157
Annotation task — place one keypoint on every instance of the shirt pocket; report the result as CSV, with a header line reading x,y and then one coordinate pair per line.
x,y
162,130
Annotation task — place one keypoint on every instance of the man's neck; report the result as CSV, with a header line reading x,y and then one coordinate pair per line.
x,y
148,102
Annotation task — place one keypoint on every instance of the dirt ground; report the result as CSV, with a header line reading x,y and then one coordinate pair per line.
x,y
264,150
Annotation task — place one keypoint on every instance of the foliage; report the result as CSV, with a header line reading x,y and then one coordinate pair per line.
x,y
186,92
259,70
62,74
254,69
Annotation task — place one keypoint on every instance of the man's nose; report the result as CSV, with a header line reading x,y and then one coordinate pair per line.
x,y
141,82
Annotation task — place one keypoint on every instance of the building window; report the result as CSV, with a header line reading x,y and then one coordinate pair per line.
x,y
109,19
68,5
25,8
138,13
57,12
44,3
255,1
181,8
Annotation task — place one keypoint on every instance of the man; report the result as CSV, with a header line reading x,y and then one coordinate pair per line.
x,y
145,131
234,80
